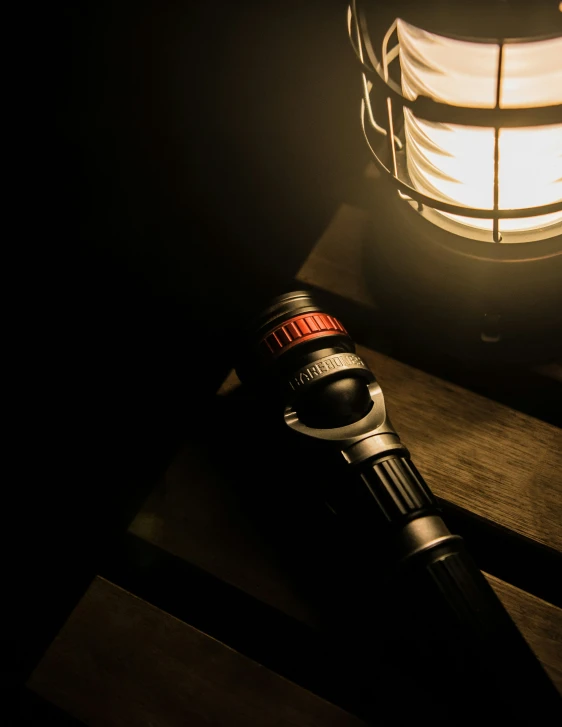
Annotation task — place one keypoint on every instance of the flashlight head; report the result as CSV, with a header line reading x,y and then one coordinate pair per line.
x,y
297,351
293,328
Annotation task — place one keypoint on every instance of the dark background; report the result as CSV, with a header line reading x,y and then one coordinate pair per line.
x,y
179,161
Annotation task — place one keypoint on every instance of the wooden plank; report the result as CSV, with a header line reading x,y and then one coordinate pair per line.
x,y
334,262
196,514
539,622
119,661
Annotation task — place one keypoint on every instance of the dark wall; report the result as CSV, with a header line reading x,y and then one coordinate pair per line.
x,y
217,137
184,158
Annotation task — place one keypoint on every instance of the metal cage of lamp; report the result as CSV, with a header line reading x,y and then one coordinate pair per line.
x,y
386,108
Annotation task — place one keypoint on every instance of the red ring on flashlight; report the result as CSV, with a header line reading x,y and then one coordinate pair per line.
x,y
299,329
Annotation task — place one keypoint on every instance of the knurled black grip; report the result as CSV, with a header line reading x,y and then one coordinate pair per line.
x,y
397,487
454,577
493,653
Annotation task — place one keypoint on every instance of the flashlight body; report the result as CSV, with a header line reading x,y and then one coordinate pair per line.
x,y
437,575
309,363
460,626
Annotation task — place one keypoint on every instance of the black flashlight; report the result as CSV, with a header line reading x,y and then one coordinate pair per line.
x,y
302,360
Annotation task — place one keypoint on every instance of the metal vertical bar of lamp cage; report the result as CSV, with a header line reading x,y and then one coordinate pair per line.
x,y
390,137
496,222
390,133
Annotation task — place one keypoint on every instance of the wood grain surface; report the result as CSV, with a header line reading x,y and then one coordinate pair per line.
x,y
539,621
120,662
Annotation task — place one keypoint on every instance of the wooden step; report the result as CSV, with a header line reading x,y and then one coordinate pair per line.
x,y
120,661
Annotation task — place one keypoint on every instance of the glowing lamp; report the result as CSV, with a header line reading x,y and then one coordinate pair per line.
x,y
462,111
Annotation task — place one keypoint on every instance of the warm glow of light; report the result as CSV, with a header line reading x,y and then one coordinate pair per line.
x,y
456,163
